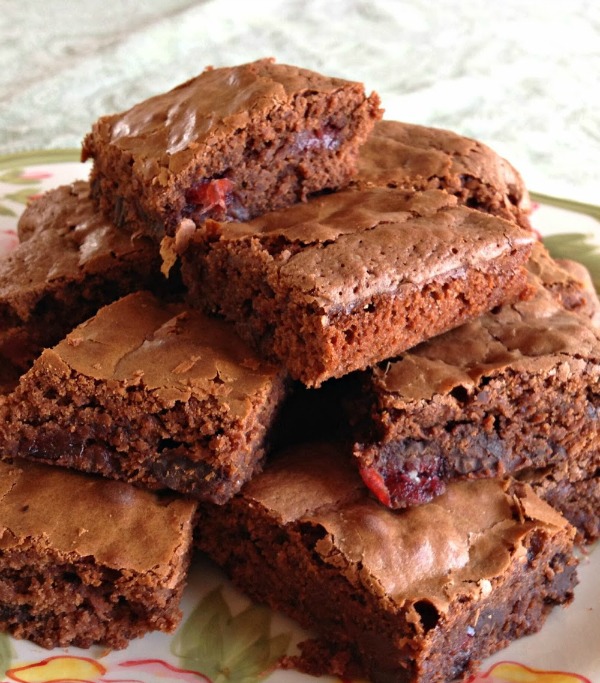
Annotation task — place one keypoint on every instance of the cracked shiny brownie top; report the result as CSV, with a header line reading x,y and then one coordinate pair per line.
x,y
92,519
85,560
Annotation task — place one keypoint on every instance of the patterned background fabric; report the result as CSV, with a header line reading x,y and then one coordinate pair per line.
x,y
519,75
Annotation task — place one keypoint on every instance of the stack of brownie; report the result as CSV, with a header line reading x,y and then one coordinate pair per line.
x,y
330,344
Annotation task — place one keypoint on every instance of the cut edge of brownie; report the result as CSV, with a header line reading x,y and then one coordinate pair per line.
x,y
89,604
316,345
130,448
466,432
578,500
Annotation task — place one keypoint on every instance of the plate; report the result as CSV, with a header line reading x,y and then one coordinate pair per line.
x,y
223,638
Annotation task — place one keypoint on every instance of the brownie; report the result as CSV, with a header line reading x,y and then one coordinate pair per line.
x,y
514,392
150,393
421,595
348,279
70,263
420,158
85,560
569,281
233,143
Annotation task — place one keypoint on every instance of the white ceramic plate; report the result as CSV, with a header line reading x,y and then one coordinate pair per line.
x,y
225,639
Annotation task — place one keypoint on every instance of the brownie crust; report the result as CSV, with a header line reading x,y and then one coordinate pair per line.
x,y
349,279
233,142
69,575
149,393
421,595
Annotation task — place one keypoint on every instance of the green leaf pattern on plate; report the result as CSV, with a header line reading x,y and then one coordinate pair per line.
x,y
227,648
37,157
16,177
5,211
6,653
22,196
567,204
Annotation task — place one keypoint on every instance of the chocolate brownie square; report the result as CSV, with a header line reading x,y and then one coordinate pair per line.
x,y
416,157
150,393
231,143
85,560
420,595
513,392
71,262
348,279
